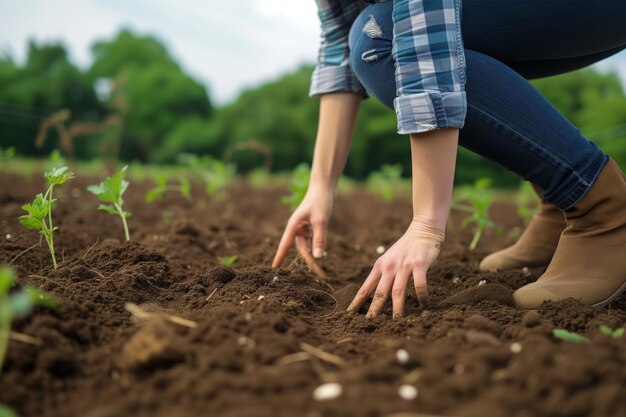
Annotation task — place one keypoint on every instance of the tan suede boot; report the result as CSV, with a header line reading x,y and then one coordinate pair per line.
x,y
590,260
536,245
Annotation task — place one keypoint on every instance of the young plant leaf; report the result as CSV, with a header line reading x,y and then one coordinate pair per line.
x,y
569,336
111,191
58,176
228,260
298,186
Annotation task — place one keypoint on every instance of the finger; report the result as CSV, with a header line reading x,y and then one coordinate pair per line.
x,y
366,290
381,295
319,238
283,247
421,288
398,292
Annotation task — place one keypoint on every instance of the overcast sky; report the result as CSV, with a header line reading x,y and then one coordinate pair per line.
x,y
226,44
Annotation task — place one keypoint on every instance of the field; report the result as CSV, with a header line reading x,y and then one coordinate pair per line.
x,y
205,339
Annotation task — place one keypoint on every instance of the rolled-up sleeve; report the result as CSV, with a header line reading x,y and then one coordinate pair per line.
x,y
430,65
332,73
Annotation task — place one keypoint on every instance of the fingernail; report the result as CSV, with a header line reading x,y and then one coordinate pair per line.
x,y
317,253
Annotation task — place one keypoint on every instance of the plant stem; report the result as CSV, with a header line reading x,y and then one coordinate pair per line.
x,y
47,234
479,232
50,211
5,322
123,216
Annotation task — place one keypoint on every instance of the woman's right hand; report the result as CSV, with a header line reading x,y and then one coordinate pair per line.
x,y
308,223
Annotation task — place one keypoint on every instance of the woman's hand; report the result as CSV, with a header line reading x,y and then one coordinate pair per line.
x,y
308,222
411,255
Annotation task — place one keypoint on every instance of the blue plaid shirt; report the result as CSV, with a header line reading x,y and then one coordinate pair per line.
x,y
427,50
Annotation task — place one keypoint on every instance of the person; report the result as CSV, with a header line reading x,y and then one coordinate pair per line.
x,y
458,74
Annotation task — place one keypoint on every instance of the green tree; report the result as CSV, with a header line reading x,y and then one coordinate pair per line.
x,y
160,95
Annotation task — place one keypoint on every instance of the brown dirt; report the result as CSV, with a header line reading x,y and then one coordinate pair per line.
x,y
98,360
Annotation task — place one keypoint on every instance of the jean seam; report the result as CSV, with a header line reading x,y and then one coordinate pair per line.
x,y
533,144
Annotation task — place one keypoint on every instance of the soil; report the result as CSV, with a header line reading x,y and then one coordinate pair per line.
x,y
242,352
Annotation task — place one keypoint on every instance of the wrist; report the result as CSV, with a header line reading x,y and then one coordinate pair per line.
x,y
429,227
322,184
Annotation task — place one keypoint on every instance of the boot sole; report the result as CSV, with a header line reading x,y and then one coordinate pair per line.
x,y
613,296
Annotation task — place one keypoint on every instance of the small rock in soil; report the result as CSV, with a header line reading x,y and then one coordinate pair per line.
x,y
222,273
328,391
487,292
407,392
531,319
150,348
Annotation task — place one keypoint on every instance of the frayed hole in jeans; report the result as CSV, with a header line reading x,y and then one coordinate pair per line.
x,y
372,29
369,56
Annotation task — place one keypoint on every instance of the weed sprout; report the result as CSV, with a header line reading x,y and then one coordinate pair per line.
x,y
39,215
479,200
298,186
230,260
110,191
162,187
614,333
18,304
569,336
385,180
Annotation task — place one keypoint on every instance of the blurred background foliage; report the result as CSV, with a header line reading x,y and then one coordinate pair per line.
x,y
135,94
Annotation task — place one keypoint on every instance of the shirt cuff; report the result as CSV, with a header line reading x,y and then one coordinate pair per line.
x,y
423,112
334,79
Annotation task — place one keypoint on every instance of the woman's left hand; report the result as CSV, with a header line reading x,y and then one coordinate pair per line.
x,y
411,255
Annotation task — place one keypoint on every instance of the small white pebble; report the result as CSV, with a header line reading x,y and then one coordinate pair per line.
x,y
275,279
242,301
75,192
402,356
260,297
525,271
328,391
456,280
407,392
380,250
8,236
482,282
516,347
242,340
459,369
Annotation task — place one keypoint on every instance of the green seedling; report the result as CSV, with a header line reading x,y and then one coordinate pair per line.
x,y
6,412
230,260
259,178
298,186
384,181
56,158
18,304
7,153
569,336
614,333
39,215
110,191
162,187
526,201
217,176
478,200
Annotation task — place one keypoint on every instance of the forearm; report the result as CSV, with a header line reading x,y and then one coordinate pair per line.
x,y
433,162
338,113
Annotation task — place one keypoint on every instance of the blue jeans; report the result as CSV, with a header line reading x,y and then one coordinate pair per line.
x,y
508,120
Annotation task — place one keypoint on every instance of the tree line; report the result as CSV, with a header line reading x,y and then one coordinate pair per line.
x,y
135,102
